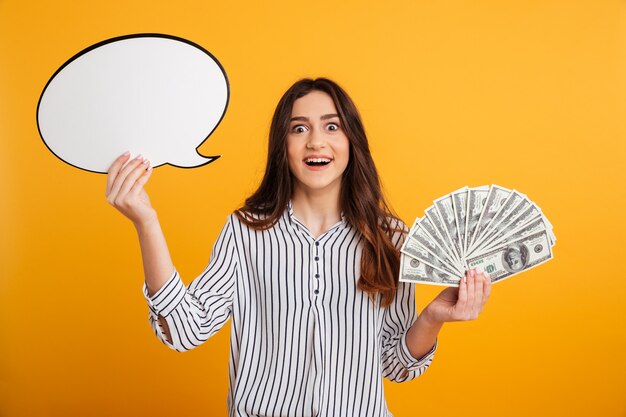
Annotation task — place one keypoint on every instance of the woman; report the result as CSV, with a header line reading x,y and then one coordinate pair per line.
x,y
306,270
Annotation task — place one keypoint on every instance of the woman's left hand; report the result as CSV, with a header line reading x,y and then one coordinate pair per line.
x,y
462,303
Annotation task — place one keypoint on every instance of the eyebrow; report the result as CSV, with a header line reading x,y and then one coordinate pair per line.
x,y
306,119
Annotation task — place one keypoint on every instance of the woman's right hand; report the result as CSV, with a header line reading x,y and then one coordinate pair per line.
x,y
125,189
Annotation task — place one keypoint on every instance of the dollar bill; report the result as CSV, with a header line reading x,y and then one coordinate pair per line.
x,y
495,201
475,201
417,251
417,236
551,234
425,224
522,214
520,203
538,224
459,204
514,199
445,210
437,222
515,257
412,270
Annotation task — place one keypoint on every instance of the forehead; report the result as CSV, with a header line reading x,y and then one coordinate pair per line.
x,y
313,105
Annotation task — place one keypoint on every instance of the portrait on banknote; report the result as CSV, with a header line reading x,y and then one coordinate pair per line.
x,y
515,257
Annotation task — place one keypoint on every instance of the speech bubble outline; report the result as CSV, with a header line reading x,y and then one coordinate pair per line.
x,y
50,123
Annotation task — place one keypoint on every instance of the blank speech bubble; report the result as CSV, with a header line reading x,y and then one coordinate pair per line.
x,y
153,94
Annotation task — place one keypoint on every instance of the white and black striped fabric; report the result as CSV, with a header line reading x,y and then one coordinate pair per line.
x,y
304,340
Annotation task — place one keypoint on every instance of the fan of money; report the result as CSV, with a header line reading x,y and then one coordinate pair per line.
x,y
499,230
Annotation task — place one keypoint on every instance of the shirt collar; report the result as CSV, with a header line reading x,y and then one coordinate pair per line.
x,y
294,220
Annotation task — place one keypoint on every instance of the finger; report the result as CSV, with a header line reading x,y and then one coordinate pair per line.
x,y
462,297
470,293
478,294
121,176
132,177
486,288
136,189
114,169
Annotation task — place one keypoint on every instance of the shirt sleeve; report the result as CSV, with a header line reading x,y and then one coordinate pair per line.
x,y
398,364
195,313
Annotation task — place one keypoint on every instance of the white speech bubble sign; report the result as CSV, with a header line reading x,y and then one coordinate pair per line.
x,y
152,94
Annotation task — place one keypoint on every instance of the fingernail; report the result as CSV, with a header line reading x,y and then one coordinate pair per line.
x,y
145,161
479,269
126,153
138,156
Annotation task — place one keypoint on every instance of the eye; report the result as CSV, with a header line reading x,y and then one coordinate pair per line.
x,y
299,129
333,126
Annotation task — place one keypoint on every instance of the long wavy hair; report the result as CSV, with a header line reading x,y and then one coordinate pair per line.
x,y
362,201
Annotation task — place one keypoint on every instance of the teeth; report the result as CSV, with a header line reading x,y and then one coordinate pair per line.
x,y
317,160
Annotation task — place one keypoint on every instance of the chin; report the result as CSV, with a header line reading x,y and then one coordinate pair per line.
x,y
315,185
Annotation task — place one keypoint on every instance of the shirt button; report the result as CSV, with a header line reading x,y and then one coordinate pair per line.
x,y
316,291
317,258
317,275
317,243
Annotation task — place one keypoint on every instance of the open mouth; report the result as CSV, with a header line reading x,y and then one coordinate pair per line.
x,y
316,162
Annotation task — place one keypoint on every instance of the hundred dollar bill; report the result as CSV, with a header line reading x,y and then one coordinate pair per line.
x,y
538,224
428,227
551,234
517,256
475,200
418,236
512,207
522,214
459,204
412,270
514,198
437,222
446,213
495,201
417,251
528,215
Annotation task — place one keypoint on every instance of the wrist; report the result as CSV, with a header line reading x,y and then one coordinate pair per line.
x,y
429,318
146,225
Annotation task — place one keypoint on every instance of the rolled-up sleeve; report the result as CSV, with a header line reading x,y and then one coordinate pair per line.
x,y
195,313
397,362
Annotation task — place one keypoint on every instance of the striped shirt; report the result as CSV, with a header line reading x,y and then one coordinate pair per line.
x,y
304,340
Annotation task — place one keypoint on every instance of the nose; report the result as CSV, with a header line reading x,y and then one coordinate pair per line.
x,y
315,139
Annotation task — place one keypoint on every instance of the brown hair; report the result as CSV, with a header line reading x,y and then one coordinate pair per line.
x,y
362,200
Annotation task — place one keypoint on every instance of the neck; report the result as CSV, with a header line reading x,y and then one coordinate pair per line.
x,y
318,210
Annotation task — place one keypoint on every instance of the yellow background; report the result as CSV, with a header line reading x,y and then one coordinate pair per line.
x,y
525,94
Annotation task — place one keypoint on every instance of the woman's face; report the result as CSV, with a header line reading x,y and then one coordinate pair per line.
x,y
317,146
